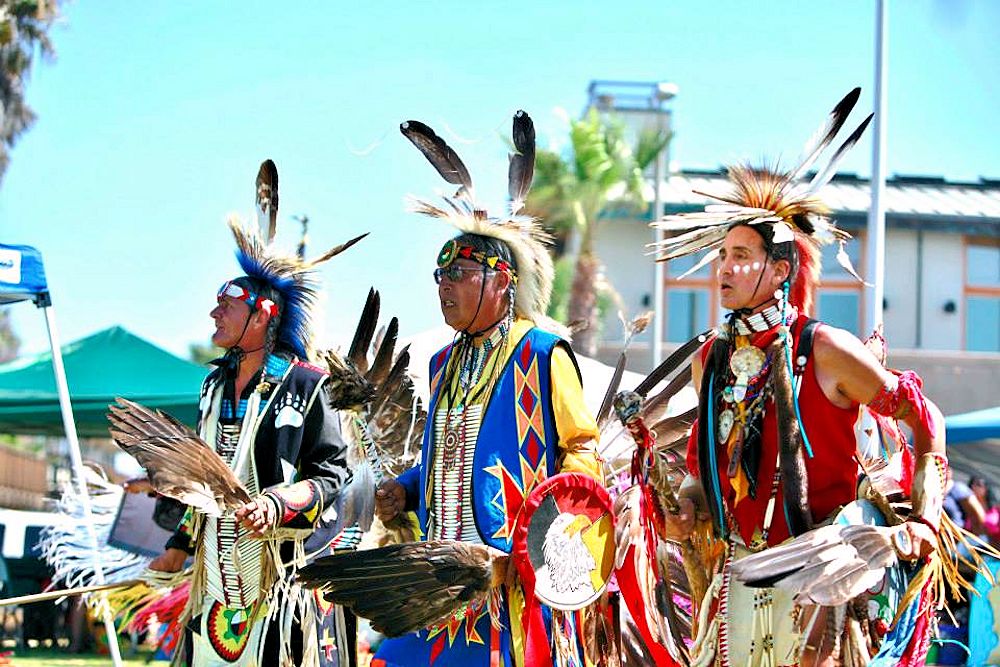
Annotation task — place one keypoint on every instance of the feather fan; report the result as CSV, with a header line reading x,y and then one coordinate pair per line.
x,y
827,566
178,463
384,417
403,588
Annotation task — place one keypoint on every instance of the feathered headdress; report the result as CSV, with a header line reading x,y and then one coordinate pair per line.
x,y
291,277
524,235
766,195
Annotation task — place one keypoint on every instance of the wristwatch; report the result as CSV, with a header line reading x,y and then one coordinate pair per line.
x,y
902,542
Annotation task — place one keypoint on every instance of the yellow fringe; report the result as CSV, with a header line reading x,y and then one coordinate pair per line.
x,y
942,568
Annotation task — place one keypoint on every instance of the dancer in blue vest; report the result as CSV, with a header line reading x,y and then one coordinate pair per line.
x,y
506,412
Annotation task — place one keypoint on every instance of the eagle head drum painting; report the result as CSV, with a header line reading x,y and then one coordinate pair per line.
x,y
564,544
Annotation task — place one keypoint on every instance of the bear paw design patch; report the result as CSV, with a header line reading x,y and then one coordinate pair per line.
x,y
290,411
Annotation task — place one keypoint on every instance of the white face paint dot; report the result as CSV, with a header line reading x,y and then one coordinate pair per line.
x,y
756,266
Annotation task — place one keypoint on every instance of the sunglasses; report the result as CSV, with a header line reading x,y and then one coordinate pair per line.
x,y
456,274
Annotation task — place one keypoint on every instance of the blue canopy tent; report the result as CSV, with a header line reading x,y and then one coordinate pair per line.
x,y
974,444
22,278
973,426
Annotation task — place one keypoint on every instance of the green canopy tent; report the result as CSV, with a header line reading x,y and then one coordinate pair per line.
x,y
99,368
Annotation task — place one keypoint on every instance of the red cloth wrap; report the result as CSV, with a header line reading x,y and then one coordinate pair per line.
x,y
909,387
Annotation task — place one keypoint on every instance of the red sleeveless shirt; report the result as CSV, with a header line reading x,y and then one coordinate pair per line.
x,y
832,472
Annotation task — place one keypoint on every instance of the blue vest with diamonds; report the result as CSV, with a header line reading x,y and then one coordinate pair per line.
x,y
517,443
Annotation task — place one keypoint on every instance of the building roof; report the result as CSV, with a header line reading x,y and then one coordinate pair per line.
x,y
910,197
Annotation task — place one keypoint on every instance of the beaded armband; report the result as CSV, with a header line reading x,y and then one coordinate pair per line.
x,y
299,505
930,479
889,401
185,533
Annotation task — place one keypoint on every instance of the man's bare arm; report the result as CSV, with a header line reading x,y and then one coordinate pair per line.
x,y
849,373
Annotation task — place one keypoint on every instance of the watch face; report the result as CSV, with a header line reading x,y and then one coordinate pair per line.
x,y
902,543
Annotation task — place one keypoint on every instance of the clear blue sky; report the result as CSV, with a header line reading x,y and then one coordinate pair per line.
x,y
154,117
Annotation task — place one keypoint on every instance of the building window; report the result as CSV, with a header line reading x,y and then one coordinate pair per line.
x,y
838,300
688,313
982,295
841,309
689,302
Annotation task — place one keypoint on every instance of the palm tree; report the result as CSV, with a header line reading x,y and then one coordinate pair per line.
x,y
24,28
571,195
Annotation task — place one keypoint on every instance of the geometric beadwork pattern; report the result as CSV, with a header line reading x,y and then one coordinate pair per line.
x,y
529,413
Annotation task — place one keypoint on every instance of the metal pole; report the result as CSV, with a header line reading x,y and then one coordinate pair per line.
x,y
657,237
69,425
875,243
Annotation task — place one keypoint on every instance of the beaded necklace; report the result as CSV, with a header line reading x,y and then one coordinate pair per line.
x,y
473,361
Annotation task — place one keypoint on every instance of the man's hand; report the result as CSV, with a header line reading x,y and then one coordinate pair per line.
x,y
257,516
390,500
139,485
680,526
924,539
171,560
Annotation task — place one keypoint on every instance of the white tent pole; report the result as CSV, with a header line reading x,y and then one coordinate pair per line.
x,y
69,425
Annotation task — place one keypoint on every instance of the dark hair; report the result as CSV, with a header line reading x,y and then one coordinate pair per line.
x,y
490,246
785,250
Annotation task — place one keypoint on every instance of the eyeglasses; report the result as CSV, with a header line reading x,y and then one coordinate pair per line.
x,y
456,274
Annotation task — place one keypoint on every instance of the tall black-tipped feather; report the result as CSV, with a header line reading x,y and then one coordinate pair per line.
x,y
522,163
654,408
671,363
335,250
383,358
604,413
358,352
826,133
824,176
267,199
396,375
437,152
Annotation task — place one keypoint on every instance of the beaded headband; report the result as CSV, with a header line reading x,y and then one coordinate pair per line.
x,y
453,250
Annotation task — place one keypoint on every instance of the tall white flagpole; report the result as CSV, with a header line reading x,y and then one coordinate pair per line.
x,y
875,242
